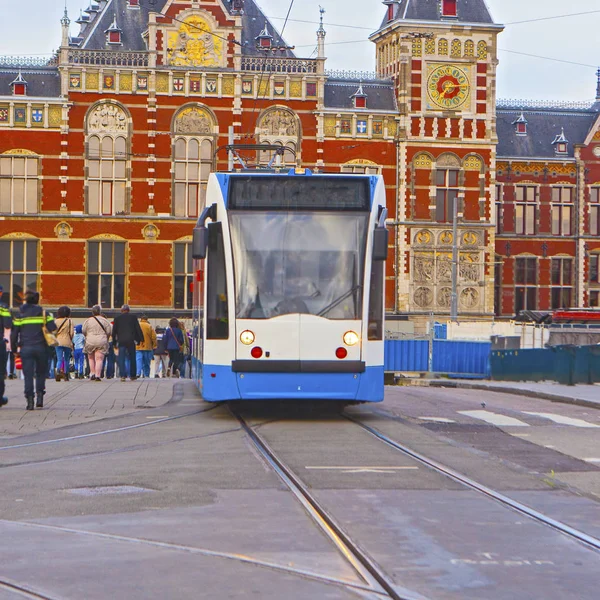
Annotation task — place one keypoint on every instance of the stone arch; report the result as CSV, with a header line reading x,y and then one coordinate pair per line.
x,y
448,159
108,116
109,237
473,162
281,126
423,160
194,119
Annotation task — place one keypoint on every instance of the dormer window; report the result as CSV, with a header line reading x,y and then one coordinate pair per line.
x,y
449,8
390,9
133,3
561,143
359,98
520,125
19,86
114,33
264,40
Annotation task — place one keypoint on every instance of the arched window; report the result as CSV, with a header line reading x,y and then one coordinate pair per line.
x,y
361,166
279,127
107,160
193,148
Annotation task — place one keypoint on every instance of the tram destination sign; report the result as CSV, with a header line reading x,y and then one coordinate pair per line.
x,y
314,193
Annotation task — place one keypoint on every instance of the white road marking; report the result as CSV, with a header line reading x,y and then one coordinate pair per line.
x,y
436,419
158,417
521,434
564,420
592,460
383,470
493,418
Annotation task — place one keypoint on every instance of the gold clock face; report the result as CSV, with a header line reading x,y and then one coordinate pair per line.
x,y
448,87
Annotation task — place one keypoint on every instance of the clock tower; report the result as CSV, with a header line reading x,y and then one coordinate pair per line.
x,y
442,56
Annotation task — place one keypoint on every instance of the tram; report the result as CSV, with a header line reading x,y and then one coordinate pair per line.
x,y
289,287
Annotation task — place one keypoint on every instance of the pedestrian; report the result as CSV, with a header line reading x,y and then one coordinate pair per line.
x,y
186,354
64,334
174,342
144,351
160,353
97,331
126,334
29,340
5,327
78,353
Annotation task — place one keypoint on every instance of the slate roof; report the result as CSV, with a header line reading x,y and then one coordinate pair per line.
x,y
134,22
41,82
543,125
380,95
469,11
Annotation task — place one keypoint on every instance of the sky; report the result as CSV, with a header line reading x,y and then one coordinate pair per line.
x,y
36,31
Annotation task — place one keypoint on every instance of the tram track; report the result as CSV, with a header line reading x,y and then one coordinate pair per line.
x,y
366,567
22,591
573,533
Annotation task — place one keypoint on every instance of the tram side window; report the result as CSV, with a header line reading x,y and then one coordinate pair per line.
x,y
375,329
217,321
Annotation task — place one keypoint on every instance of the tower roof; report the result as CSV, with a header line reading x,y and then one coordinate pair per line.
x,y
469,11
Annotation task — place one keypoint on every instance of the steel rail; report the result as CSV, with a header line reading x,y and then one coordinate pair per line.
x,y
22,590
364,565
580,536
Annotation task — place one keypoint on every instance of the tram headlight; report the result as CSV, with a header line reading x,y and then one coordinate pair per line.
x,y
247,337
351,338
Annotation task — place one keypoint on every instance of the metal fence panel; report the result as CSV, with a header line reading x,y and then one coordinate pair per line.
x,y
406,355
461,358
522,365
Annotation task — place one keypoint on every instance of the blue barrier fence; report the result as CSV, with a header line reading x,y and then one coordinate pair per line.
x,y
467,359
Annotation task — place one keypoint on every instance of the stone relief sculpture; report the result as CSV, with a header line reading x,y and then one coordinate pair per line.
x,y
279,123
423,237
107,118
193,121
423,297
444,268
444,297
194,44
469,297
423,268
468,269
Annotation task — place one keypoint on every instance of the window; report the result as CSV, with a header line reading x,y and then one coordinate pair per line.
x,y
499,210
522,128
449,8
562,210
595,211
107,174
595,268
19,184
18,269
526,283
183,272
525,214
106,274
446,194
562,282
217,320
594,299
192,165
498,286
361,168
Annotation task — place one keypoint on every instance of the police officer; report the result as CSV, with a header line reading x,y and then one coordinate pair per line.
x,y
28,339
5,326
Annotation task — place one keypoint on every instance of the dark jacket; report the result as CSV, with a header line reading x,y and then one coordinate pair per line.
x,y
27,327
127,330
5,319
174,342
161,344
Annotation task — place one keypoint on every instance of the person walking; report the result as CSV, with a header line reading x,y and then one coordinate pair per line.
x,y
5,327
145,350
174,342
126,334
97,331
78,353
161,353
64,334
186,352
28,339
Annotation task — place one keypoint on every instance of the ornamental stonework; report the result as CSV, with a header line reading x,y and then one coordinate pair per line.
x,y
150,232
473,164
423,237
470,238
194,45
228,86
279,123
63,230
107,118
423,161
194,120
424,268
54,116
469,297
423,297
444,297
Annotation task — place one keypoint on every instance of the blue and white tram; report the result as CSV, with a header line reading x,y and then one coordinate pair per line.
x,y
289,292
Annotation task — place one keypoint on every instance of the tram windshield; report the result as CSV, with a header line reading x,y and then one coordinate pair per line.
x,y
298,262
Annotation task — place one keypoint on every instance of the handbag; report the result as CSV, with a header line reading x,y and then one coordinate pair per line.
x,y
48,336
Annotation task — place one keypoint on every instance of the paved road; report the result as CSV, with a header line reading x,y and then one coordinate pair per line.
x,y
172,502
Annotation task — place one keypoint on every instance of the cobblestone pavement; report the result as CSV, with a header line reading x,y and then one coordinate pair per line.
x,y
80,401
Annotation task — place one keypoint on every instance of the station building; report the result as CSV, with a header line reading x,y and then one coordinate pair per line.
x,y
105,150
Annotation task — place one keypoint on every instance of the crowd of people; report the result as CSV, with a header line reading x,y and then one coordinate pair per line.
x,y
47,347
